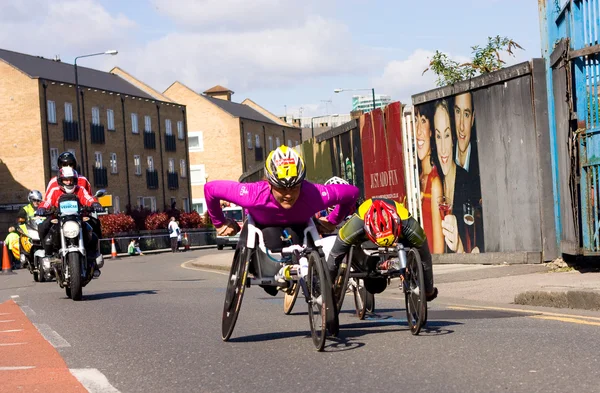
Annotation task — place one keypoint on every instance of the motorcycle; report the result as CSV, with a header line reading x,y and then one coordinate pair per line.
x,y
32,252
74,269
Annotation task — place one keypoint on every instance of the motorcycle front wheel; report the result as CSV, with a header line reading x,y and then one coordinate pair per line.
x,y
75,283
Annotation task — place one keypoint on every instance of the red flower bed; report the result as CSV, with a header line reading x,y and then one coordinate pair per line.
x,y
116,223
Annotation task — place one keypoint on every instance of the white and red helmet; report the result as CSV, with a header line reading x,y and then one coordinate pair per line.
x,y
67,179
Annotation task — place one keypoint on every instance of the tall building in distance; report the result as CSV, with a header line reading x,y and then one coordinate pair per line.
x,y
365,102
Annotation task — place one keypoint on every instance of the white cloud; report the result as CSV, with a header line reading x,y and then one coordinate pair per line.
x,y
46,28
256,59
240,15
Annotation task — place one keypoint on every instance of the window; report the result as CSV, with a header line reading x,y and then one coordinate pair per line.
x,y
113,162
270,143
72,151
199,205
68,111
147,202
277,142
182,168
257,139
249,143
134,123
198,174
289,143
196,140
95,116
180,130
116,204
138,165
110,119
147,124
98,159
150,163
54,158
52,112
171,165
173,202
296,143
186,205
168,129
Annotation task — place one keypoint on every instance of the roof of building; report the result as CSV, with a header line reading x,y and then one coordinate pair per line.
x,y
218,89
39,67
139,84
239,110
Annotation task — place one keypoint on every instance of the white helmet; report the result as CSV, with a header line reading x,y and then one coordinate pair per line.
x,y
336,180
34,195
67,174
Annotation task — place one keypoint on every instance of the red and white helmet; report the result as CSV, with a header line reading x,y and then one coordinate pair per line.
x,y
382,223
67,179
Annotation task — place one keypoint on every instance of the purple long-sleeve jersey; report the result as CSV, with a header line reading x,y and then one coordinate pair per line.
x,y
257,199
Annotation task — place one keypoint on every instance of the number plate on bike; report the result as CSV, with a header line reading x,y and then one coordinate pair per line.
x,y
69,207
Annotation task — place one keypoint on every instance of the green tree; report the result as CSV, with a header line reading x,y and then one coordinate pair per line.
x,y
485,59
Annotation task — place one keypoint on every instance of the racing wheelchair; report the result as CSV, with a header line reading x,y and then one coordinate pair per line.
x,y
364,268
304,267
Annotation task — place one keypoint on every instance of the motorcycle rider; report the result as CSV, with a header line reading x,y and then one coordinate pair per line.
x,y
34,197
67,181
67,159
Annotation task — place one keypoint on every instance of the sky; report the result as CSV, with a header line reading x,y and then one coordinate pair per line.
x,y
286,55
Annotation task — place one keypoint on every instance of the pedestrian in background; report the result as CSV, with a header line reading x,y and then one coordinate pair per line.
x,y
173,234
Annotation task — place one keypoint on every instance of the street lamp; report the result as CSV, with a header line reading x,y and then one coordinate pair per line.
x,y
80,128
372,91
312,127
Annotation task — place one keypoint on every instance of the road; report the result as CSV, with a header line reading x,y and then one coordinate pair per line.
x,y
149,324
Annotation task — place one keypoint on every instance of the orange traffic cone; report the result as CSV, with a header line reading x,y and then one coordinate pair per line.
x,y
6,265
113,249
187,242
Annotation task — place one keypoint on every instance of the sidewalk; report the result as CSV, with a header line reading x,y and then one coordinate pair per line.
x,y
526,284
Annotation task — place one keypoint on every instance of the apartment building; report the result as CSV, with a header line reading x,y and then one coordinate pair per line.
x,y
129,142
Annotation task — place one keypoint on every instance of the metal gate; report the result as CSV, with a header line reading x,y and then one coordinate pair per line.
x,y
572,50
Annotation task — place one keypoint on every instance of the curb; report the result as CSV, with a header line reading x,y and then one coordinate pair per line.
x,y
582,300
209,266
159,251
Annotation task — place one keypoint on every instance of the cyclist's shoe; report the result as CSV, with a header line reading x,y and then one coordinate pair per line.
x,y
271,290
431,295
97,273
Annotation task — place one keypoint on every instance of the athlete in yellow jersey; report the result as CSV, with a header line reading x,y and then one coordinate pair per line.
x,y
384,222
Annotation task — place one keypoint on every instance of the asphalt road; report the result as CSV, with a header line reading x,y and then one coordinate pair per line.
x,y
150,325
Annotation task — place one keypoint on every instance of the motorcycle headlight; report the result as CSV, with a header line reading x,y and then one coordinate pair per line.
x,y
71,229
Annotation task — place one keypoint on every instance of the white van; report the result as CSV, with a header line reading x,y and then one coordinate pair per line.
x,y
235,213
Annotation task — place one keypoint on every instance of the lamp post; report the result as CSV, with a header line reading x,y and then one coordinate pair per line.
x,y
80,128
372,92
312,127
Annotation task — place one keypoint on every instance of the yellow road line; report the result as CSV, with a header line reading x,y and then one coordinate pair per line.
x,y
562,319
464,308
538,313
183,265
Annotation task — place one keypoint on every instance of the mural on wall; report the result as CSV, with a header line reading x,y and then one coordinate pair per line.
x,y
449,175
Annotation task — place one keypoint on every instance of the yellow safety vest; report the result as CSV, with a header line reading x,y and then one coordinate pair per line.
x,y
12,242
29,210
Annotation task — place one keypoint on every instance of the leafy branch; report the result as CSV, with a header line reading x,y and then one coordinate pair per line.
x,y
485,59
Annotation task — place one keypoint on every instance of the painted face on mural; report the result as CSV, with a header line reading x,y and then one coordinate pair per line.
x,y
464,117
443,138
423,137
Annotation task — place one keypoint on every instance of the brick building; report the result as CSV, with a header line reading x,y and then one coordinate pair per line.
x,y
133,144
226,138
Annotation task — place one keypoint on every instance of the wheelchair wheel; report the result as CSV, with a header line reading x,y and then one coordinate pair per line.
x,y
235,291
360,295
414,292
370,302
289,298
319,295
340,284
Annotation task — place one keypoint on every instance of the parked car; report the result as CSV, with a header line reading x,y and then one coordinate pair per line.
x,y
235,213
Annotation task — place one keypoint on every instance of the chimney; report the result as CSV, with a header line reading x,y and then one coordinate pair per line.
x,y
356,114
219,92
297,123
57,58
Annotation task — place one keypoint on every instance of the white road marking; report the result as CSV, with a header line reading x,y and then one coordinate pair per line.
x,y
51,336
11,344
11,331
28,311
14,296
93,380
7,320
16,368
4,313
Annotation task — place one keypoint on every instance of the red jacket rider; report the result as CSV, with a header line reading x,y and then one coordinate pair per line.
x,y
67,183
